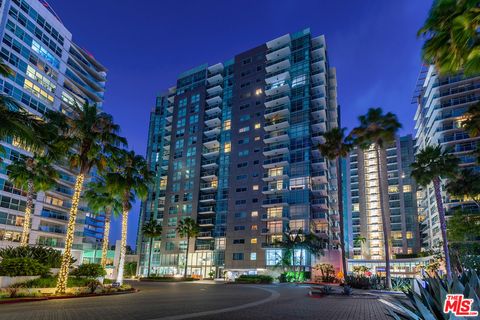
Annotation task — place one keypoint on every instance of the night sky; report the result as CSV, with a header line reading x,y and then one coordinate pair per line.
x,y
145,44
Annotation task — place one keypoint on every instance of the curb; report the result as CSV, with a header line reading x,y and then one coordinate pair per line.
x,y
21,300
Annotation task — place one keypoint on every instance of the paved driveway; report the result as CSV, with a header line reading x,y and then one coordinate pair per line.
x,y
175,301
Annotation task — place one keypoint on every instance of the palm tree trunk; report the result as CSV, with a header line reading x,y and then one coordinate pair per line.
x,y
443,223
149,256
342,247
123,246
106,235
28,214
186,258
388,281
66,258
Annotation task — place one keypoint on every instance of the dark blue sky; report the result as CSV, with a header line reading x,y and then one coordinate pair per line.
x,y
145,44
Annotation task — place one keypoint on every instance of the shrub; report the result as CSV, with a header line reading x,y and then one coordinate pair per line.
x,y
130,269
46,256
327,272
327,290
50,282
362,282
22,267
428,304
92,285
89,270
292,276
254,279
401,284
347,290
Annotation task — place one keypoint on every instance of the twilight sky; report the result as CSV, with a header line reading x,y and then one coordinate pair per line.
x,y
145,44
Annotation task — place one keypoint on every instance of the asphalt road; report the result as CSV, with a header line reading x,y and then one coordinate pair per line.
x,y
175,301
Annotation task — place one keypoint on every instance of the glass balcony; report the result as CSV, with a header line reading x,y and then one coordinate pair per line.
x,y
278,42
214,100
319,216
216,68
277,77
206,210
273,177
213,109
210,186
210,164
212,121
210,198
278,66
317,137
321,203
318,53
276,124
209,175
211,143
277,88
210,153
276,149
205,235
206,222
279,54
275,202
214,90
276,136
319,176
212,131
215,79
273,162
52,229
278,111
276,101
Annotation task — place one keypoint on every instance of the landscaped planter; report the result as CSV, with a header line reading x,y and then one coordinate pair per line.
x,y
6,282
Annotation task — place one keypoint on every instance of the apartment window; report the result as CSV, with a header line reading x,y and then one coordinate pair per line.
x,y
258,92
298,81
193,119
257,138
407,188
243,189
238,241
243,153
255,187
242,177
244,129
244,141
238,256
227,147
169,246
245,117
253,256
242,165
241,214
274,256
227,124
253,240
195,98
254,214
245,106
239,228
192,140
181,123
254,227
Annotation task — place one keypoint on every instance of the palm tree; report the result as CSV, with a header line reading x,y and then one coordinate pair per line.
x,y
465,184
131,177
187,228
152,229
337,146
472,120
294,240
88,132
453,42
101,198
431,165
34,174
378,130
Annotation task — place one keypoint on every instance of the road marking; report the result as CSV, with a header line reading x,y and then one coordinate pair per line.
x,y
273,295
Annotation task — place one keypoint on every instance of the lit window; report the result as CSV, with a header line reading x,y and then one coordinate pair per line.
x,y
298,81
255,187
253,240
257,138
227,124
227,147
407,188
392,189
254,214
258,92
254,227
253,256
257,126
244,129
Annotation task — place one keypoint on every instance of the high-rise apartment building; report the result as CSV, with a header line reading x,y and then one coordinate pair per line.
x,y
51,73
442,103
392,189
234,146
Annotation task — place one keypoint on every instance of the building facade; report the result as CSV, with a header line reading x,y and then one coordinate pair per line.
x,y
391,189
233,146
51,73
441,105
